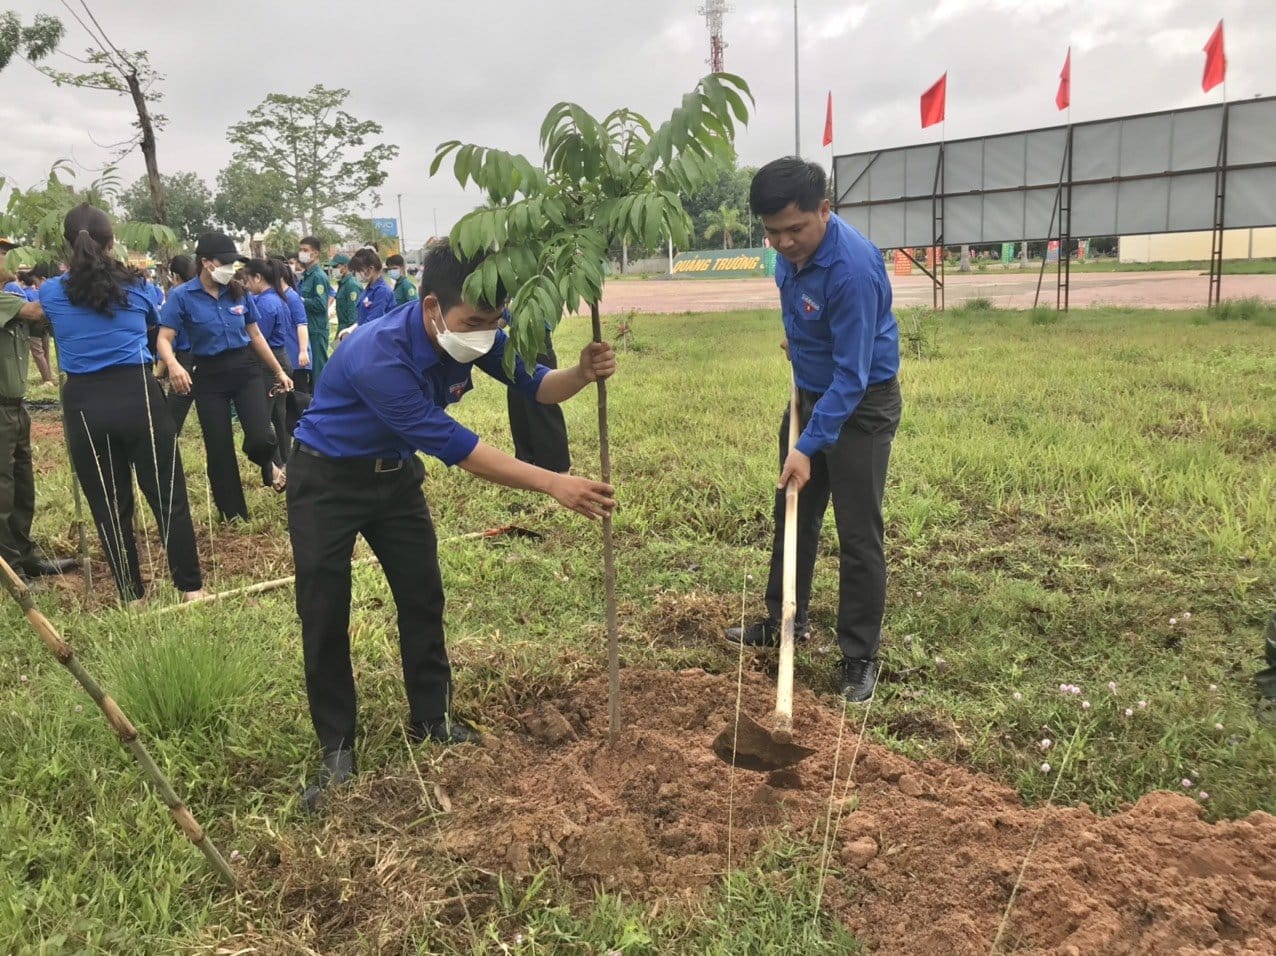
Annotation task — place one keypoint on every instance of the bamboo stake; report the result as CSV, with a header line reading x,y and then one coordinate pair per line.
x,y
609,556
118,722
262,586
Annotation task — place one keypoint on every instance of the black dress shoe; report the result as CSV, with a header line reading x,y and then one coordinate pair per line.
x,y
38,567
443,731
764,634
337,768
857,679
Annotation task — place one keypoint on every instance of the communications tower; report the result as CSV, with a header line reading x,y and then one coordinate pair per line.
x,y
714,12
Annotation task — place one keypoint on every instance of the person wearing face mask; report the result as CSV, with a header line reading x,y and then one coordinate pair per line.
x,y
314,288
220,318
404,288
843,343
354,470
378,297
348,293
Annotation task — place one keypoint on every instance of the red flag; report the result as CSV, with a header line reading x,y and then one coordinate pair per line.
x,y
1063,99
828,122
1215,60
933,102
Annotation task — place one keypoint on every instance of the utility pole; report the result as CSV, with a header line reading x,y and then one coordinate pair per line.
x,y
797,102
403,237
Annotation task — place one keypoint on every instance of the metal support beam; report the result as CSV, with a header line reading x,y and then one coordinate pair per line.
x,y
1220,207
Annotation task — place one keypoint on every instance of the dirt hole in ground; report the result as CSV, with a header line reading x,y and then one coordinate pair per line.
x,y
924,857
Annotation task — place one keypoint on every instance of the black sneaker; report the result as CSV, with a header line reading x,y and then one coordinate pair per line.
x,y
337,768
857,679
444,730
764,634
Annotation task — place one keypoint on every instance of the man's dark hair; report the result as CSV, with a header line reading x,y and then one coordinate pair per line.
x,y
443,275
787,180
394,260
365,259
312,242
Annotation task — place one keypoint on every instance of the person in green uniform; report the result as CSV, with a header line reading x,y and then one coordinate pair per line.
x,y
314,295
17,476
396,272
348,292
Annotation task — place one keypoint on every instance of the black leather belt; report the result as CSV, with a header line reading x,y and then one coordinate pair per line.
x,y
378,465
10,402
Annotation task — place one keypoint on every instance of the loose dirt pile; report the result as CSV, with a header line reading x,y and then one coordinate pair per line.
x,y
924,859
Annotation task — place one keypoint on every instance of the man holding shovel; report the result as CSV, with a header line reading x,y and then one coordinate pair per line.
x,y
843,343
354,470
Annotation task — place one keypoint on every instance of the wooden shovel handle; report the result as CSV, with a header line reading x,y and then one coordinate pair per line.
x,y
784,680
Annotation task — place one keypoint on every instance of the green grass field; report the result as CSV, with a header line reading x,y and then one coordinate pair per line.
x,y
1080,501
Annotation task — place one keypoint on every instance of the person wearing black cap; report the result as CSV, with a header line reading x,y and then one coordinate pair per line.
x,y
117,423
220,318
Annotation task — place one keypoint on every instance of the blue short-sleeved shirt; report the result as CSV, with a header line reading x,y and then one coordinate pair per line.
x,y
385,392
31,292
297,312
154,293
274,319
376,301
841,330
213,325
90,341
15,288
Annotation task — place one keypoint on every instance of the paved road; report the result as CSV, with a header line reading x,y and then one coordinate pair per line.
x,y
1160,290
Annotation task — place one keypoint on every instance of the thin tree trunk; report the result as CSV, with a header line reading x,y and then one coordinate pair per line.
x,y
609,557
148,148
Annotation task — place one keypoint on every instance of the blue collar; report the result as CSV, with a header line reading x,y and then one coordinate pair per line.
x,y
824,252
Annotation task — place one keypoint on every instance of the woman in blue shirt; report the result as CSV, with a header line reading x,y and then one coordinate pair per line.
x,y
117,424
378,297
40,349
218,315
264,279
181,269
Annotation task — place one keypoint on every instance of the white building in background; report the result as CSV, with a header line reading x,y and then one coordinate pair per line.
x,y
1196,246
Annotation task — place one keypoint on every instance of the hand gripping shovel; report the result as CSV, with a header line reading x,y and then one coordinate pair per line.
x,y
748,744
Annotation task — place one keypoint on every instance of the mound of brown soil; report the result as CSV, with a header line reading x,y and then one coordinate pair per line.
x,y
924,858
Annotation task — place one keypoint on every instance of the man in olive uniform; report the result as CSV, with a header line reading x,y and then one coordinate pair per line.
x,y
314,295
404,288
348,292
17,477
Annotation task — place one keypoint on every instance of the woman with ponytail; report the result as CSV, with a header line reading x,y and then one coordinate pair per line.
x,y
265,281
117,424
220,318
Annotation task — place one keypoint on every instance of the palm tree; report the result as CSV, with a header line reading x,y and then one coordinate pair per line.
x,y
724,221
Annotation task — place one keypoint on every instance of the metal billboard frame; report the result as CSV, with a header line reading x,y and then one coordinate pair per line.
x,y
1004,180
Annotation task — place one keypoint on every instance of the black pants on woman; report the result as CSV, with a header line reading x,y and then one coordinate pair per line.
x,y
117,426
232,376
277,407
180,405
539,431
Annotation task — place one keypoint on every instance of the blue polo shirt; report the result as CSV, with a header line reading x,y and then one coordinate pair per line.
x,y
15,288
154,293
376,301
90,341
385,392
213,325
297,313
274,320
31,292
841,330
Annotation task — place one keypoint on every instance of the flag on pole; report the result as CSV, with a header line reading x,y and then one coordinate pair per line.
x,y
1063,99
934,101
1215,60
828,122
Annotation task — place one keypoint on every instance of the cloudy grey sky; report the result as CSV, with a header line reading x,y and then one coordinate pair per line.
x,y
487,71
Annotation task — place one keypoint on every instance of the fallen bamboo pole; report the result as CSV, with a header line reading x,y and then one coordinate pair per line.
x,y
115,718
262,586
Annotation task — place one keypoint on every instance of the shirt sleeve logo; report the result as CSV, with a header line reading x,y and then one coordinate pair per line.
x,y
809,305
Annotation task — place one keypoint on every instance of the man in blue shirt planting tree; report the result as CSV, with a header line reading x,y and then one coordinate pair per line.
x,y
842,340
354,470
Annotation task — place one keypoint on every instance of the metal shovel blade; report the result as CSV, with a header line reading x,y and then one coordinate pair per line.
x,y
752,747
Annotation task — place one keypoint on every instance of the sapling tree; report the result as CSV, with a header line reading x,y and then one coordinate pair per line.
x,y
547,226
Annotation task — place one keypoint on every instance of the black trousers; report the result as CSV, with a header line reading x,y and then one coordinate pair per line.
x,y
329,503
17,484
232,376
852,472
539,431
118,425
179,406
277,407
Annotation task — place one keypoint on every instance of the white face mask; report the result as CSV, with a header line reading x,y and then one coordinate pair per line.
x,y
222,274
394,273
464,346
303,257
